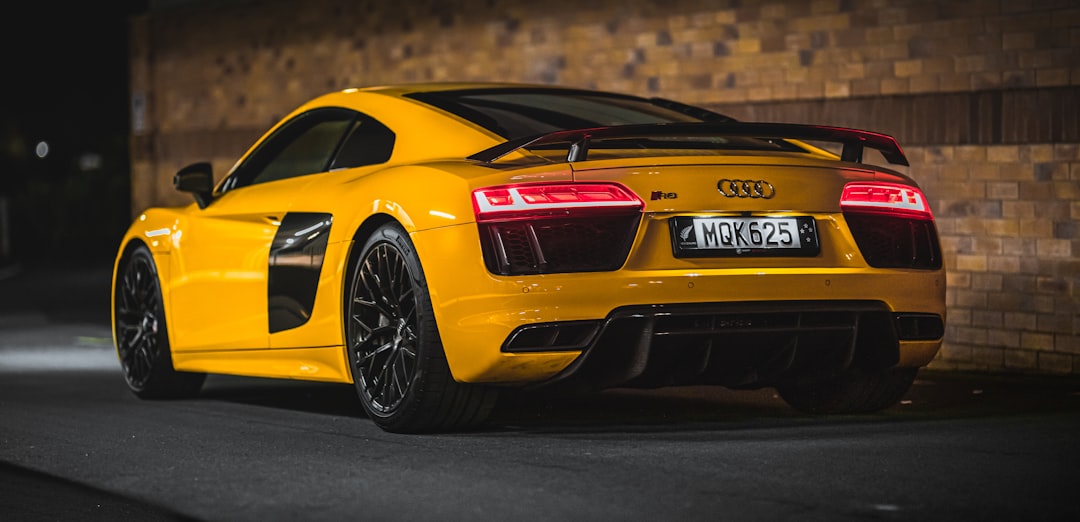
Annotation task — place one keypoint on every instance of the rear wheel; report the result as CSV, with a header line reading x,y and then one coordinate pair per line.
x,y
853,392
142,340
395,354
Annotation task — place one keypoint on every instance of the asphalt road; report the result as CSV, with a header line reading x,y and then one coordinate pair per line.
x,y
76,445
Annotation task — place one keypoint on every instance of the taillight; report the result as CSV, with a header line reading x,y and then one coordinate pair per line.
x,y
892,225
888,198
556,227
567,198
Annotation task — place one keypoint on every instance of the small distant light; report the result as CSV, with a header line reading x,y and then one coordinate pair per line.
x,y
89,161
42,149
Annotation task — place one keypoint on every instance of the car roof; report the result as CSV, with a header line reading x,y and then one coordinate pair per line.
x,y
404,89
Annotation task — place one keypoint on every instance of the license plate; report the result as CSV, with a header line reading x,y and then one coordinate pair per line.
x,y
700,236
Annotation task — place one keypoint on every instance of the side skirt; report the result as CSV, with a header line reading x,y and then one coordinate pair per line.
x,y
325,363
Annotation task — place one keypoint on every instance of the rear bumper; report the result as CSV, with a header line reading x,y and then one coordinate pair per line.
x,y
478,312
734,344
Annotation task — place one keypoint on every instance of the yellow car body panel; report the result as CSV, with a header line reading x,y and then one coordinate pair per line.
x,y
218,261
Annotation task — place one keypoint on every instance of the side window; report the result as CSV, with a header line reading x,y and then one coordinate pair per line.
x,y
368,143
304,145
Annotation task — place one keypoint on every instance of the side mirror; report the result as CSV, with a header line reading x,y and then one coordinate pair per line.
x,y
197,178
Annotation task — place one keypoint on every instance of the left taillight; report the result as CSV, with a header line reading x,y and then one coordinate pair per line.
x,y
892,224
556,227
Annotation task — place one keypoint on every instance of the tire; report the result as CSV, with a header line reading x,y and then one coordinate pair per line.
x,y
396,357
853,392
142,339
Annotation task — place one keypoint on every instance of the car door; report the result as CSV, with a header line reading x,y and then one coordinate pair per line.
x,y
220,261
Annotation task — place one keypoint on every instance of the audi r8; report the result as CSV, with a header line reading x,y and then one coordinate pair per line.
x,y
434,244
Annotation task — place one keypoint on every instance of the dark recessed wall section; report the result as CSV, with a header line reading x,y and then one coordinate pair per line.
x,y
998,117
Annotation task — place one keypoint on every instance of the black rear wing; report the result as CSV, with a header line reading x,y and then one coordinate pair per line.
x,y
853,140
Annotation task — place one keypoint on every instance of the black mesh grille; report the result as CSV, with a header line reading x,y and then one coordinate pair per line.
x,y
558,244
895,242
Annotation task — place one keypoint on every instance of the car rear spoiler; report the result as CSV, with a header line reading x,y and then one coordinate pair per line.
x,y
853,140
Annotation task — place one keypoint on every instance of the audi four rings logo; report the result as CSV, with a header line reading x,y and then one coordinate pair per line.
x,y
741,188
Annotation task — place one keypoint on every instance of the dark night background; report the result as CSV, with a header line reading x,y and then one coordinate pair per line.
x,y
66,84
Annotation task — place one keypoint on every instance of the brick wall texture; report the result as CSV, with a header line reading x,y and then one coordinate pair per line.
x,y
983,94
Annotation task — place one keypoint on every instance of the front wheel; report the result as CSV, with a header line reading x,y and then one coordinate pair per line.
x,y
395,353
852,392
142,340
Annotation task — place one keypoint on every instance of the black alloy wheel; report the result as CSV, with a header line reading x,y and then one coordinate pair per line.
x,y
395,354
142,341
384,319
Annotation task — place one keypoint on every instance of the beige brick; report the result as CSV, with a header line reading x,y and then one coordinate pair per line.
x,y
986,319
954,82
810,91
970,64
1021,359
986,80
1043,304
959,317
1016,41
1003,190
991,282
1003,153
907,68
1054,248
971,335
1018,209
1056,323
1037,341
822,23
954,351
1016,172
1018,246
894,86
1020,321
1066,151
923,83
748,45
1057,363
959,280
970,299
1037,153
1004,264
988,357
1002,227
866,87
971,263
1037,227
1067,190
1052,77
1067,343
837,89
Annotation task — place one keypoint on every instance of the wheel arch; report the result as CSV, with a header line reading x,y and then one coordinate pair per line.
x,y
129,246
359,236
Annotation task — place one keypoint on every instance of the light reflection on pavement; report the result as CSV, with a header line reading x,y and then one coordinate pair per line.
x,y
32,345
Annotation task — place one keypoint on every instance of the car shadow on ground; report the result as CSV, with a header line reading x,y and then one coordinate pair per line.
x,y
935,395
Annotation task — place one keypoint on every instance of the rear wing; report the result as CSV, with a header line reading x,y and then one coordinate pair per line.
x,y
578,140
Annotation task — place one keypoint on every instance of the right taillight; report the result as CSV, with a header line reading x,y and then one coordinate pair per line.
x,y
892,225
886,198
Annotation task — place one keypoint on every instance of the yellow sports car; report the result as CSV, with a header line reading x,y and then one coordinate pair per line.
x,y
436,243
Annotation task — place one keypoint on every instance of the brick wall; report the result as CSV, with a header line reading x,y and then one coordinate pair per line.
x,y
982,93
